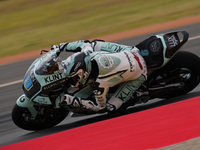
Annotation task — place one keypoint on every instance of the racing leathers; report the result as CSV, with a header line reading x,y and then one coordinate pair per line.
x,y
114,64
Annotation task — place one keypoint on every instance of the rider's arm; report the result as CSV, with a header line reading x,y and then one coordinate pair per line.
x,y
100,97
79,46
95,45
100,45
100,93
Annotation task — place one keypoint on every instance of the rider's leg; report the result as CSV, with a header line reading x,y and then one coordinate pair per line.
x,y
124,93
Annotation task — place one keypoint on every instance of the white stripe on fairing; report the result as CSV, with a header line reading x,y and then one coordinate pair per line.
x,y
18,81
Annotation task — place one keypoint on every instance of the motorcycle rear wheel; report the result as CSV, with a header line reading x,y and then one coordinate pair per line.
x,y
181,69
23,118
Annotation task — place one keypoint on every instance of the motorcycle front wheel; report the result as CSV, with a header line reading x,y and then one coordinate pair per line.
x,y
49,118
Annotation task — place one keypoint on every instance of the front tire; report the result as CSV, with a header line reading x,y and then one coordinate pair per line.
x,y
23,118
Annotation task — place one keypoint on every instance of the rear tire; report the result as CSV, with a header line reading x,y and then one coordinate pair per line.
x,y
181,69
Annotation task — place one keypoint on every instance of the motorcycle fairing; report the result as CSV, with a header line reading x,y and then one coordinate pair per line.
x,y
173,42
151,50
38,86
157,50
22,101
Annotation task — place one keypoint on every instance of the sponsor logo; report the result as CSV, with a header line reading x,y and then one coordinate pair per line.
x,y
172,41
53,84
28,84
130,62
77,66
53,78
126,92
22,99
27,98
106,61
145,52
113,46
50,86
155,46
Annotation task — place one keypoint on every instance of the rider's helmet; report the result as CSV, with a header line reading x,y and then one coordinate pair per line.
x,y
77,68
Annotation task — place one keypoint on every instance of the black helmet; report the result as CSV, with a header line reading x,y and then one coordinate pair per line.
x,y
77,68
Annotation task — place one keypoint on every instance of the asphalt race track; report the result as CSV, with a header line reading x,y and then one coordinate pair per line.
x,y
10,90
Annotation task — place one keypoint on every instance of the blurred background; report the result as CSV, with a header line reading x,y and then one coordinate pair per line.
x,y
36,24
28,25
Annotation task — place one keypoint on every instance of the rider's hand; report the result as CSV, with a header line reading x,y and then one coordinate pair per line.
x,y
54,47
61,46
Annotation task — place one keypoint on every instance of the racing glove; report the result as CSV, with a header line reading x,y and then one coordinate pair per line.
x,y
61,46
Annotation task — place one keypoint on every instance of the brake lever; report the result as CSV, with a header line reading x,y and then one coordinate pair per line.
x,y
43,51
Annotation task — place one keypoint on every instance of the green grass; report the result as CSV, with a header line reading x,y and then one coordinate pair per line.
x,y
27,25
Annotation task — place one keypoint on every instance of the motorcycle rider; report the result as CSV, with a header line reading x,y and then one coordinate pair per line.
x,y
114,65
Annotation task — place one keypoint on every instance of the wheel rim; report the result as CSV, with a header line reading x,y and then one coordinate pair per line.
x,y
41,120
187,78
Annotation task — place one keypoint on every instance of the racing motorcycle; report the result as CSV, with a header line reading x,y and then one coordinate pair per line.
x,y
171,73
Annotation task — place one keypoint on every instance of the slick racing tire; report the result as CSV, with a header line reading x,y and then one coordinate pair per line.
x,y
182,69
23,118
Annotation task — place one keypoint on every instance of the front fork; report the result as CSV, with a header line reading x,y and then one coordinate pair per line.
x,y
22,101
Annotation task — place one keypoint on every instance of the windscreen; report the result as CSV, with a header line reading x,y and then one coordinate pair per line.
x,y
49,64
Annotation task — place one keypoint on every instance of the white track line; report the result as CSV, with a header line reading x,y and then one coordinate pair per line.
x,y
194,38
18,81
10,83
